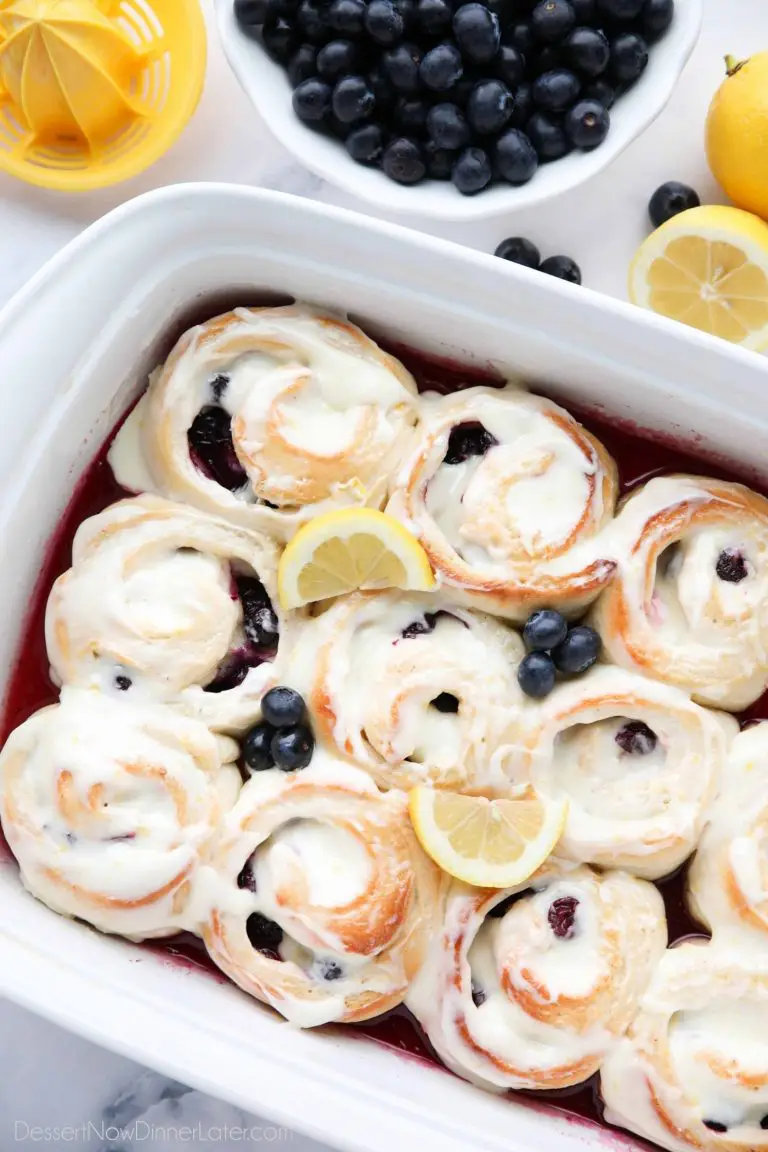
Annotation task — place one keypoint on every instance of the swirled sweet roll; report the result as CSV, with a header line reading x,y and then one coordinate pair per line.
x,y
324,901
693,1069
530,989
110,808
507,493
413,689
165,602
268,416
688,605
639,763
728,879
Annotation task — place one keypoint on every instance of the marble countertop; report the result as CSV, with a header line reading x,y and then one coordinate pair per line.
x,y
49,1079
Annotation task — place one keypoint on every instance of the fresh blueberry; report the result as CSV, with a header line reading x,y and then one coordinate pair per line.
x,y
657,17
520,36
477,32
601,91
587,51
547,136
434,17
440,161
620,9
257,748
580,649
265,936
516,158
382,88
536,675
447,126
403,161
283,707
260,622
347,17
292,748
446,702
518,250
629,57
544,629
302,66
670,200
352,99
310,22
410,116
509,65
587,125
523,109
731,566
211,448
384,22
279,38
561,267
123,683
335,59
562,917
251,14
468,439
489,107
556,91
312,100
552,20
401,66
636,738
441,67
365,144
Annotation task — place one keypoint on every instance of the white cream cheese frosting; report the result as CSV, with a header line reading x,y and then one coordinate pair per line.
x,y
111,807
319,417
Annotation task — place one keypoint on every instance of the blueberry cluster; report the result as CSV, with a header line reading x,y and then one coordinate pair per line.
x,y
283,739
554,647
469,92
518,250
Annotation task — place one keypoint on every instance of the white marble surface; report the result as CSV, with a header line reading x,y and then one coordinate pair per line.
x,y
48,1079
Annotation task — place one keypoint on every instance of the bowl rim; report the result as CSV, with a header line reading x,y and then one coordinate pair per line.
x,y
267,87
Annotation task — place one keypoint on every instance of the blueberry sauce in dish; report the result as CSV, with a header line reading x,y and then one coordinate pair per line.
x,y
30,687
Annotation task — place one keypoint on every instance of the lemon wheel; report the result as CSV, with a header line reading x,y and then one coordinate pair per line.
x,y
489,843
708,267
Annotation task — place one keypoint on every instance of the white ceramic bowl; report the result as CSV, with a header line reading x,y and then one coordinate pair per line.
x,y
267,85
69,371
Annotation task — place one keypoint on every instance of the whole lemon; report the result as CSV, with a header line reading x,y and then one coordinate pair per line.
x,y
737,133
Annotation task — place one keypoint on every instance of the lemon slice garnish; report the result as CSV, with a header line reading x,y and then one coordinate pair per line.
x,y
353,548
707,267
489,843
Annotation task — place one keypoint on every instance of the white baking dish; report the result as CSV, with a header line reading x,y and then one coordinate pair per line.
x,y
75,346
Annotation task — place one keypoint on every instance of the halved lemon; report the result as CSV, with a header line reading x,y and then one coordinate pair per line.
x,y
489,843
707,267
349,549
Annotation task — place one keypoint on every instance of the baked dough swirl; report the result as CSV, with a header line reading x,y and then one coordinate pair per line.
x,y
165,602
269,416
530,992
728,879
507,492
689,604
413,689
324,901
638,762
693,1069
110,807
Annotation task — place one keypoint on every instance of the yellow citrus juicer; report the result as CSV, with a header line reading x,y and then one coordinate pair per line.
x,y
94,91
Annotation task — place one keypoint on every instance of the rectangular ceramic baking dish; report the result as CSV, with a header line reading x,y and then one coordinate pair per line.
x,y
75,347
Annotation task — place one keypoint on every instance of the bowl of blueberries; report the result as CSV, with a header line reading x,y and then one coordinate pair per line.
x,y
458,109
